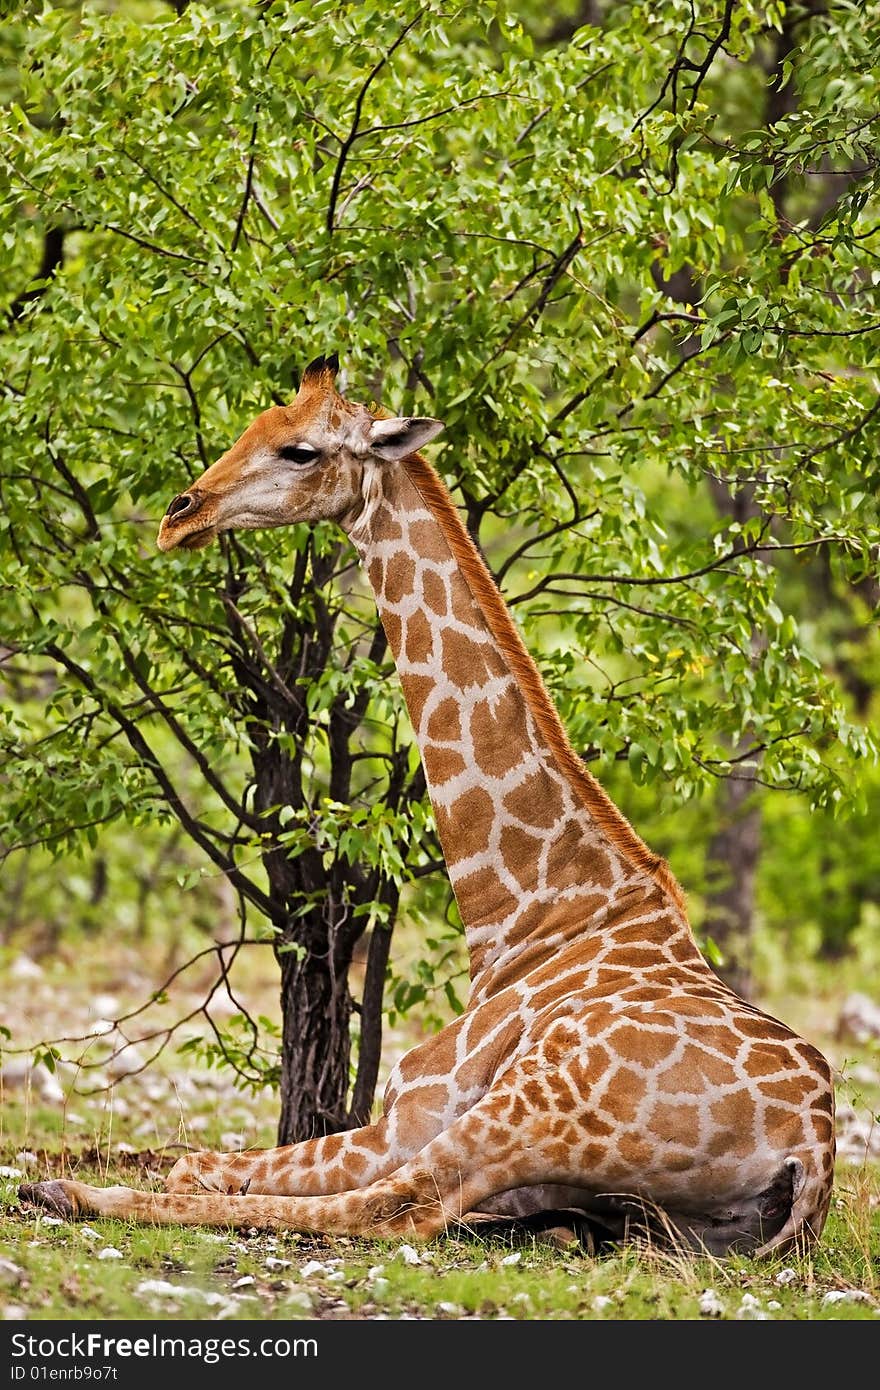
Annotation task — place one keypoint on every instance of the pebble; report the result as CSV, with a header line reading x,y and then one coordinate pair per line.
x,y
126,1062
750,1308
299,1302
23,968
710,1304
10,1272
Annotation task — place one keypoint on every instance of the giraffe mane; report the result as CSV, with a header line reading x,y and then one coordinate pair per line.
x,y
608,817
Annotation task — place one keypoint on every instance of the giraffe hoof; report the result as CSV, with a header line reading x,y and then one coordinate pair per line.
x,y
51,1195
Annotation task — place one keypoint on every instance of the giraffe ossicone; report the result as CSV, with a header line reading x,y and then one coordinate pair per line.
x,y
600,1066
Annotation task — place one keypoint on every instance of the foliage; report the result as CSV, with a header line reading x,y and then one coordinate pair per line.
x,y
488,227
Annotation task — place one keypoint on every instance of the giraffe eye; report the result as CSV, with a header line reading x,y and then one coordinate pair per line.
x,y
298,453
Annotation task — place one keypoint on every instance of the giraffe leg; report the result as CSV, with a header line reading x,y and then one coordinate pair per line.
x,y
314,1167
447,1178
337,1162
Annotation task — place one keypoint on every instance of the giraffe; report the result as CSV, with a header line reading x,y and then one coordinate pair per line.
x,y
600,1066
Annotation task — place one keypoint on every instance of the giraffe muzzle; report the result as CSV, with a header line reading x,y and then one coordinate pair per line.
x,y
176,528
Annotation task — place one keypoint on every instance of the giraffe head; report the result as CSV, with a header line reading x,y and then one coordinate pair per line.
x,y
311,460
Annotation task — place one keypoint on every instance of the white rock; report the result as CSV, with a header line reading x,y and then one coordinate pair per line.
x,y
602,1301
10,1272
20,1072
863,1075
786,1276
13,1312
513,1259
51,1221
126,1062
314,1267
26,1158
409,1255
6,1172
162,1288
380,1287
222,1003
451,1310
858,1135
101,1027
110,1253
23,968
710,1304
751,1309
845,1296
774,1305
299,1301
16,1071
245,1282
48,1087
104,1005
273,1263
859,1018
89,1233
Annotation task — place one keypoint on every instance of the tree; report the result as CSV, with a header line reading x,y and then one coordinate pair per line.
x,y
474,221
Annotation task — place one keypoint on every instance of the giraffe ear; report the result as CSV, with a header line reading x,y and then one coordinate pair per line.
x,y
396,438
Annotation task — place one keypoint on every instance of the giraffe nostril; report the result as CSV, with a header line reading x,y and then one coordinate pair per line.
x,y
180,504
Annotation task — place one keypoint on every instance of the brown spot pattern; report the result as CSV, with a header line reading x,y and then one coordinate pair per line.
x,y
399,579
496,753
419,639
520,854
434,592
697,1071
474,809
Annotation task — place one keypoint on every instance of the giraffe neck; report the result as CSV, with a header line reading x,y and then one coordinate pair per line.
x,y
534,848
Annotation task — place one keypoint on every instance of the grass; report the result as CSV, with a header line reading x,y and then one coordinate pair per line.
x,y
131,1133
170,1273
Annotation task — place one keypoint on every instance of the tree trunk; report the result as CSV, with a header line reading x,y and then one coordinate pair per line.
x,y
735,849
731,865
315,1039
